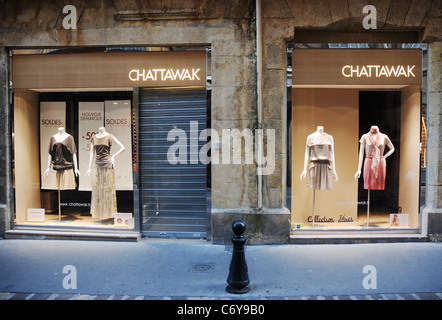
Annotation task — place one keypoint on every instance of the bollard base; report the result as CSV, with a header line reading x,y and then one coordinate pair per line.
x,y
230,289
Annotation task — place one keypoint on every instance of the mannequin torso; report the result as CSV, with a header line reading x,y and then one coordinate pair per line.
x,y
319,139
370,141
61,135
100,135
101,132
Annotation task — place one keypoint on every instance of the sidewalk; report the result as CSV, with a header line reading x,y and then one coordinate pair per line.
x,y
54,296
186,269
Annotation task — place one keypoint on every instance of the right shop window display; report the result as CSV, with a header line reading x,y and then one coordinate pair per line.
x,y
355,154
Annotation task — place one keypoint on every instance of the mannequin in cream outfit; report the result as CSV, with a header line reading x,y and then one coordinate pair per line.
x,y
314,157
101,134
103,199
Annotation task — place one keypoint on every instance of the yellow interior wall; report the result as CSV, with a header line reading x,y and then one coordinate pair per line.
x,y
337,110
409,170
26,153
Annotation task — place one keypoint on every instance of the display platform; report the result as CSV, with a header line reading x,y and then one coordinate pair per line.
x,y
74,218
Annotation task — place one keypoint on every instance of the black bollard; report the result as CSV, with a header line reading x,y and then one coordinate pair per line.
x,y
238,278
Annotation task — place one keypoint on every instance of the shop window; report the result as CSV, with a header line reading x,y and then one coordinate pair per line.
x,y
53,134
343,100
74,104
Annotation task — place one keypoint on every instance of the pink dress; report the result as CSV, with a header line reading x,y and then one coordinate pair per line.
x,y
375,167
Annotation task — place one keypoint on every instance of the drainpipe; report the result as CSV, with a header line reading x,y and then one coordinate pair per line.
x,y
259,95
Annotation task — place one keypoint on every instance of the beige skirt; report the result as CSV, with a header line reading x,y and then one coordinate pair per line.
x,y
65,179
104,198
320,175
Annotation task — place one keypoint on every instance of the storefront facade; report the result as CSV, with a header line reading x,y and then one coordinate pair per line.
x,y
230,65
98,90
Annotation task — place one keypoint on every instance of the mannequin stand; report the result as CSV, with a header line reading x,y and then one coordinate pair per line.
x,y
59,198
314,202
368,208
59,206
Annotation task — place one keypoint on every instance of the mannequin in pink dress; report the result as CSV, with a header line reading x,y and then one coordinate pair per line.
x,y
373,144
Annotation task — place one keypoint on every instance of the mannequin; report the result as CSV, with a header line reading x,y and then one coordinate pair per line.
x,y
104,200
319,162
373,145
59,137
313,140
101,134
63,158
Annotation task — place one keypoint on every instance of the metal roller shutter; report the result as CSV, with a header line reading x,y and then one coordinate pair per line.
x,y
172,197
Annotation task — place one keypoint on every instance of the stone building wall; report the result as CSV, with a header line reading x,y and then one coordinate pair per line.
x,y
225,26
432,213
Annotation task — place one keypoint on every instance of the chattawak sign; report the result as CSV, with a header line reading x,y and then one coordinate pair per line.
x,y
356,67
118,70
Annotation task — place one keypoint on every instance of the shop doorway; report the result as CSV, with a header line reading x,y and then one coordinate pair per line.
x,y
172,179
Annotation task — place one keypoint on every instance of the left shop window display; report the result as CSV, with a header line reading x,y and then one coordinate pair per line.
x,y
70,169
